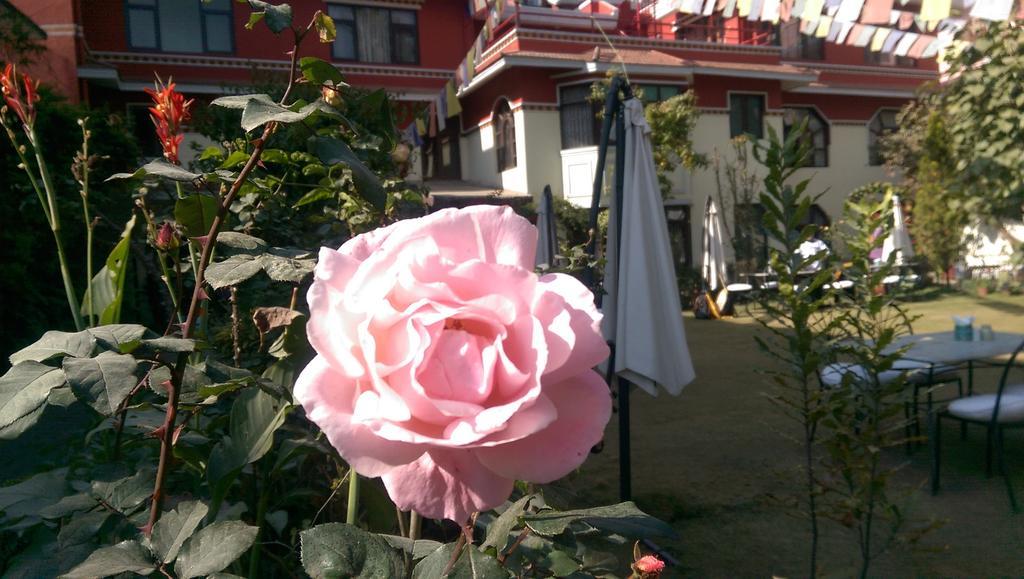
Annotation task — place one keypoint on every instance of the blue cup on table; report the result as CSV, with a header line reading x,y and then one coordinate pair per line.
x,y
963,328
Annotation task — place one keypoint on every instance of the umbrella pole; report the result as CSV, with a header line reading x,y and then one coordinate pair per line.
x,y
625,460
613,112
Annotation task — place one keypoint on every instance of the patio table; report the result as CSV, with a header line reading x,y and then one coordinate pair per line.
x,y
940,348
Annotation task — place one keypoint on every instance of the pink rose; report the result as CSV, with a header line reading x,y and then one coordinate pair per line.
x,y
447,367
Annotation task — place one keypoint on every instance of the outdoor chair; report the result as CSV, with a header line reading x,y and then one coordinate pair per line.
x,y
919,376
996,412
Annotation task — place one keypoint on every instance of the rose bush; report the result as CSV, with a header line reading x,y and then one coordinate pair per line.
x,y
447,367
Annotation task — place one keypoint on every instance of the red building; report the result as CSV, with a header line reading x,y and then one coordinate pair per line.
x,y
525,121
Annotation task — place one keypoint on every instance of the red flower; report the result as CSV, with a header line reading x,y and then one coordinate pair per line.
x,y
649,564
23,106
169,112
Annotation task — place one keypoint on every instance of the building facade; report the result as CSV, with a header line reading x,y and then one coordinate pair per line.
x,y
525,119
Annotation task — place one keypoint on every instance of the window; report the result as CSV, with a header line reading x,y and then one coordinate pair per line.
x,y
504,135
677,218
186,26
746,115
815,137
371,34
655,93
800,46
883,123
578,116
887,59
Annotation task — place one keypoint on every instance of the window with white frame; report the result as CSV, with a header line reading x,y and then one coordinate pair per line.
x,y
504,135
183,26
578,117
375,34
815,136
656,93
882,124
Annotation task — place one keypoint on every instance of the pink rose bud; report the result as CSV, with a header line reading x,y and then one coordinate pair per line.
x,y
401,153
649,566
166,238
447,367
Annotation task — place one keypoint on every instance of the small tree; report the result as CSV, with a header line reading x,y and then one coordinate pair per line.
x,y
937,229
672,122
737,188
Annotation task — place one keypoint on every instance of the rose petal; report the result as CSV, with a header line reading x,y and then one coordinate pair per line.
x,y
328,397
584,406
446,484
577,342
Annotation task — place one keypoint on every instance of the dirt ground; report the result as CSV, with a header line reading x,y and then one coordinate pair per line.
x,y
716,463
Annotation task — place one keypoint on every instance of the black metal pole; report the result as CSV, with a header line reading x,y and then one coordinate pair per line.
x,y
611,105
625,458
613,112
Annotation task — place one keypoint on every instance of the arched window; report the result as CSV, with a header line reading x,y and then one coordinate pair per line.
x,y
816,136
883,123
504,135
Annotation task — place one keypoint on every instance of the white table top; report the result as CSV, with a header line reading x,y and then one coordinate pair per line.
x,y
941,348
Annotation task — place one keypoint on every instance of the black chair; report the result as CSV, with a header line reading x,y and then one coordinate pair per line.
x,y
996,412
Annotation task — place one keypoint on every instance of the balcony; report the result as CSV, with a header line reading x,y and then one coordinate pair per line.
x,y
654,19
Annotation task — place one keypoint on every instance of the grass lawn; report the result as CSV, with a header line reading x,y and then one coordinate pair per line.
x,y
718,463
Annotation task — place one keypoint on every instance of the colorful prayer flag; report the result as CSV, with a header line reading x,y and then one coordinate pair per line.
x,y
876,12
879,39
849,10
933,10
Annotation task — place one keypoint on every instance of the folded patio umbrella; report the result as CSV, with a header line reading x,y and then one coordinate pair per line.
x,y
547,244
714,249
899,240
641,308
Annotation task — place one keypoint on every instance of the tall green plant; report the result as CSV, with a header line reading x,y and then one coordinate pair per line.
x,y
793,317
869,412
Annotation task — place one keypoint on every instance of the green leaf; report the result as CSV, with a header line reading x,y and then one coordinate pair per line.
x,y
159,168
418,549
169,344
173,528
623,518
108,283
233,270
124,557
213,548
255,417
24,390
241,241
498,531
472,564
55,344
128,493
235,159
283,268
318,194
102,382
318,71
82,528
325,28
25,499
195,214
334,151
340,550
239,101
123,338
277,16
259,112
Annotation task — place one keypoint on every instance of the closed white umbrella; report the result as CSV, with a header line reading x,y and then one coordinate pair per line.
x,y
547,243
641,308
898,241
714,248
